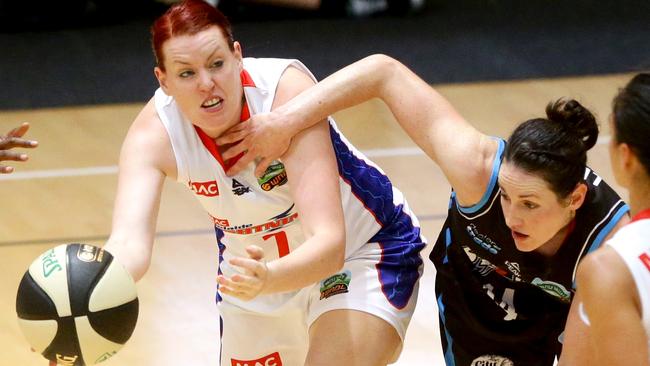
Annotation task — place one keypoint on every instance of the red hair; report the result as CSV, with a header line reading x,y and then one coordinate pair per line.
x,y
188,17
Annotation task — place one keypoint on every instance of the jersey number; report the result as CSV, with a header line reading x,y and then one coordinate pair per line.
x,y
281,240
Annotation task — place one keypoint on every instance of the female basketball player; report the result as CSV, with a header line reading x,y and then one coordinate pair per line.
x,y
614,281
13,139
521,215
314,269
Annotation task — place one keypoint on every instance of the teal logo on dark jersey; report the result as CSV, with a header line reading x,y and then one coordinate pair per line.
x,y
553,288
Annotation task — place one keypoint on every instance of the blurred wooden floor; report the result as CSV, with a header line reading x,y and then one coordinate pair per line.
x,y
64,194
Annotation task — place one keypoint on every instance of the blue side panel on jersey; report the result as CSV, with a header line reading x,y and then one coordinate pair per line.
x,y
220,338
399,269
222,248
608,228
449,353
445,260
496,165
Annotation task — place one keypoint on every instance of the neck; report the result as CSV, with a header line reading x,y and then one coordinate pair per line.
x,y
639,197
555,243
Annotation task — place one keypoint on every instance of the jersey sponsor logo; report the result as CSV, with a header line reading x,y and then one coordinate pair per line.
x,y
482,266
207,189
247,229
270,360
553,288
337,284
645,259
238,189
513,267
482,240
492,360
275,175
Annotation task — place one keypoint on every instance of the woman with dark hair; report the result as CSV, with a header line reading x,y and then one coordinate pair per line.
x,y
319,257
614,281
522,213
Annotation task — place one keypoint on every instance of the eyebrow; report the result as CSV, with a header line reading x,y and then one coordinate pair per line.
x,y
217,48
521,196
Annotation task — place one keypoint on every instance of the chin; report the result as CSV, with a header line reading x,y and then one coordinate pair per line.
x,y
525,245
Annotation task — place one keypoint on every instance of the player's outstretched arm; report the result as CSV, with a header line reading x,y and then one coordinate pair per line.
x,y
463,153
12,139
140,182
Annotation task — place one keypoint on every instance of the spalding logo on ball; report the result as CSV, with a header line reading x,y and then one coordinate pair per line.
x,y
76,305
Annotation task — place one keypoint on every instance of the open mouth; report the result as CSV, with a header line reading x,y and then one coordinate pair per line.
x,y
212,103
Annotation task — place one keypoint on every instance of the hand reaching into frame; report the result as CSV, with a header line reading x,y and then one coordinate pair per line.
x,y
263,138
11,140
249,284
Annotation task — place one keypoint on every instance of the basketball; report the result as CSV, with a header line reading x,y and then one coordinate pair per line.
x,y
76,305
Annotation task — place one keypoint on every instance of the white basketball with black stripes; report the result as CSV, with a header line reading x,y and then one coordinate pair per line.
x,y
76,305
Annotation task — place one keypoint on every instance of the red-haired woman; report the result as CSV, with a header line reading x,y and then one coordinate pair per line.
x,y
319,256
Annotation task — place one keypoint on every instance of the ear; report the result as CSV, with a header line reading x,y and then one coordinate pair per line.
x,y
577,197
238,54
162,78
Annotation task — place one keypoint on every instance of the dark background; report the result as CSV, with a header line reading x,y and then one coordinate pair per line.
x,y
58,53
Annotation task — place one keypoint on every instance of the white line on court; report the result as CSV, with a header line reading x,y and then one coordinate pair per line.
x,y
106,170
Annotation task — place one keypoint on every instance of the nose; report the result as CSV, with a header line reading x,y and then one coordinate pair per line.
x,y
513,220
206,83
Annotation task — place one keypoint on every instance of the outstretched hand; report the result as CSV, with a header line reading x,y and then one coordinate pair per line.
x,y
263,138
11,140
250,283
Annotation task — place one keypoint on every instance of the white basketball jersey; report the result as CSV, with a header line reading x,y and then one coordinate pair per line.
x,y
632,243
246,211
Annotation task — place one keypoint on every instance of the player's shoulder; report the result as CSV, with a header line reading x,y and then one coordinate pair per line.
x,y
604,270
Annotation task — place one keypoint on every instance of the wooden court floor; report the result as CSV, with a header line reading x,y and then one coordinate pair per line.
x,y
64,194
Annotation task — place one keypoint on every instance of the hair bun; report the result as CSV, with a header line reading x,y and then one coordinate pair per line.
x,y
575,118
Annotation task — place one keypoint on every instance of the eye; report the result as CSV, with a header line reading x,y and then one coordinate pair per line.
x,y
530,205
186,74
217,64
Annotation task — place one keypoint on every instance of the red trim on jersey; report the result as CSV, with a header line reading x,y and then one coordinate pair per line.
x,y
645,259
208,142
572,226
645,214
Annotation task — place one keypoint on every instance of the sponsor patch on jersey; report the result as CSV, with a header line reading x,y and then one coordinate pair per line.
x,y
274,176
207,189
270,360
238,189
553,288
482,240
492,360
482,266
337,284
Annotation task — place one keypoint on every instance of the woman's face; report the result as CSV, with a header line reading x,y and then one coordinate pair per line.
x,y
203,76
531,209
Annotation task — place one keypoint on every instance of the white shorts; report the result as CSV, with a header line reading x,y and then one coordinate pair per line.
x,y
375,280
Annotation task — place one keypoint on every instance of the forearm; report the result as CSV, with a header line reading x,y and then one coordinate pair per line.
x,y
135,261
316,259
361,81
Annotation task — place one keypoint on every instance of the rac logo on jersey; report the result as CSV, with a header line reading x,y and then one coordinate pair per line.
x,y
492,360
207,189
271,360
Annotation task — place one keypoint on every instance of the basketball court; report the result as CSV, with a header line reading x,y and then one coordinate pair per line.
x,y
64,194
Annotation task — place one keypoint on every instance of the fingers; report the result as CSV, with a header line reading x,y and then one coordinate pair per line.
x,y
262,166
10,142
240,165
13,155
235,150
251,266
234,134
6,169
19,131
255,252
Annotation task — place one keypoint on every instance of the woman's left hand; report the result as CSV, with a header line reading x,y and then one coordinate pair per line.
x,y
250,283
